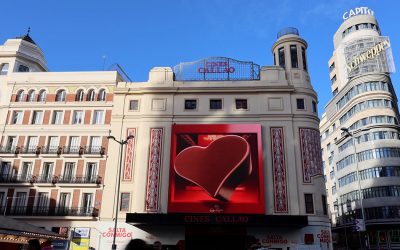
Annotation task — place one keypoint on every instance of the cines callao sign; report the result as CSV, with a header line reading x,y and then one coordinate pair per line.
x,y
357,11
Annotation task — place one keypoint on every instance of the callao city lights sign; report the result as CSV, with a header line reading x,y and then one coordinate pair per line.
x,y
357,11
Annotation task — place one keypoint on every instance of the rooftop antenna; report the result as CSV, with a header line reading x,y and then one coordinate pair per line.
x,y
29,30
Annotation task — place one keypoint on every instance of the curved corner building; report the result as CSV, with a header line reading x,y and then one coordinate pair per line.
x,y
360,137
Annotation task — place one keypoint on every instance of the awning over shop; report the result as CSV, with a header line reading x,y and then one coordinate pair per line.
x,y
15,231
297,221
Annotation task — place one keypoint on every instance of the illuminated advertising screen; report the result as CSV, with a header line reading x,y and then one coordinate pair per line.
x,y
216,169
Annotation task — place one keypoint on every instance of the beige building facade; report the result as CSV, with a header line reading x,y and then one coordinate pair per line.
x,y
186,107
360,137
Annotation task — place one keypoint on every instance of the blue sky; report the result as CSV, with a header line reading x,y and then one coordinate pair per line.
x,y
140,35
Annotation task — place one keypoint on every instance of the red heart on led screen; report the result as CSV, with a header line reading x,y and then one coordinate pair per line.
x,y
218,168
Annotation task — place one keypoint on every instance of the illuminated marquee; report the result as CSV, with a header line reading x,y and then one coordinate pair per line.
x,y
357,11
217,69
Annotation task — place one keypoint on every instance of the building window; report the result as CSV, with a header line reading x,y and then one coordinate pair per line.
x,y
91,172
33,142
52,146
57,117
77,117
23,68
17,117
2,198
335,92
95,144
215,104
25,171
190,104
332,67
79,95
314,106
5,169
308,199
31,95
47,171
74,144
60,96
125,200
324,204
19,204
42,96
11,143
281,56
90,95
4,69
87,203
303,55
241,104
42,203
333,80
134,105
69,172
37,117
293,56
20,96
102,95
98,117
300,103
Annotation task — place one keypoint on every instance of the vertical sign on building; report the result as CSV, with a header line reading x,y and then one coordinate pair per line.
x,y
279,170
154,168
129,156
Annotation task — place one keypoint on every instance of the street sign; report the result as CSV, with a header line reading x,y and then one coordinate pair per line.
x,y
359,225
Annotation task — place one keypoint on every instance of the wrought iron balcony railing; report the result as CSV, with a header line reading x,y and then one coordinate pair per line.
x,y
86,179
93,150
9,150
8,178
48,211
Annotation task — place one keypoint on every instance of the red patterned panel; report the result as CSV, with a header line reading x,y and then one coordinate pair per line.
x,y
154,168
310,145
279,170
130,148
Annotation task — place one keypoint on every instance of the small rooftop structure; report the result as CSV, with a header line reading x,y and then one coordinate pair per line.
x,y
287,31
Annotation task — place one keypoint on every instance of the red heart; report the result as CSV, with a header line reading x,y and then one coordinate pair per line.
x,y
218,168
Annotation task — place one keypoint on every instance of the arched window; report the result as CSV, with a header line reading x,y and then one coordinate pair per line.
x,y
90,95
31,95
102,95
20,96
60,96
79,96
42,96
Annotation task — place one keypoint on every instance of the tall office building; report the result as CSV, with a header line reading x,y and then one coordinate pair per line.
x,y
360,135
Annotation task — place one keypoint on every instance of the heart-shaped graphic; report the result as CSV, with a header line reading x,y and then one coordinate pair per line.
x,y
218,168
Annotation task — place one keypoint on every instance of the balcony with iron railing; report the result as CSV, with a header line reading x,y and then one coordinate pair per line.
x,y
86,179
79,150
48,211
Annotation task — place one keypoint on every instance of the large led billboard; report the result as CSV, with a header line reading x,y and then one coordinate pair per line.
x,y
216,169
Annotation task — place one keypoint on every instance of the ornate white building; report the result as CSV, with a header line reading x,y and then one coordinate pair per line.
x,y
360,136
187,122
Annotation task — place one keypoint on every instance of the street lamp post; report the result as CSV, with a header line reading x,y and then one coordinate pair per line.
x,y
121,144
350,134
